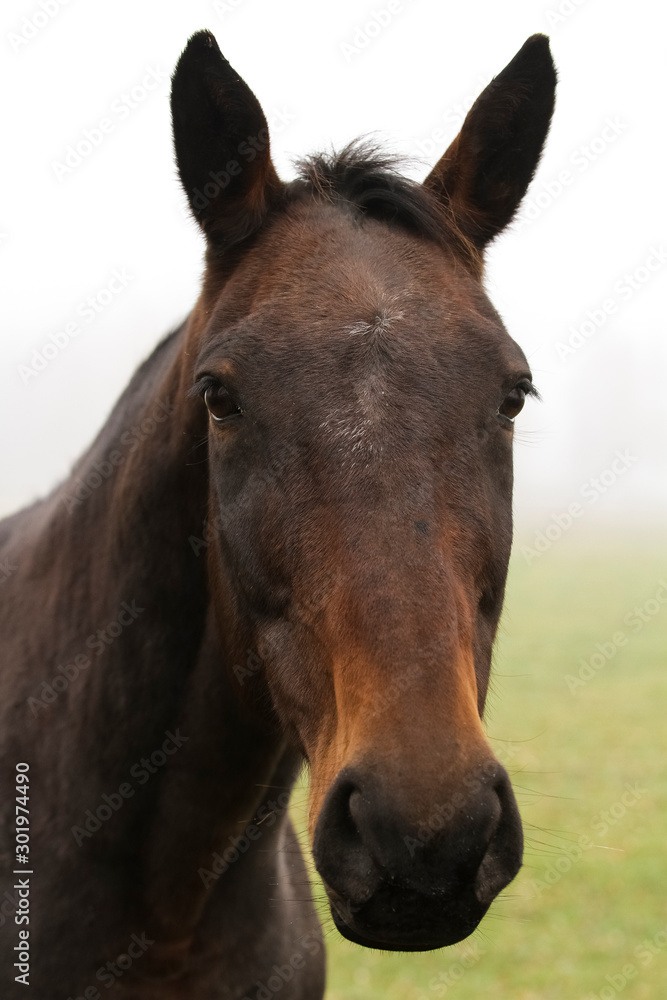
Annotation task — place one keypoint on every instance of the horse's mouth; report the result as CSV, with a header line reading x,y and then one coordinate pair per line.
x,y
400,920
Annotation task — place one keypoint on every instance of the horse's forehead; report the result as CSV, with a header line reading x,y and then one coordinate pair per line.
x,y
323,255
370,299
331,297
381,312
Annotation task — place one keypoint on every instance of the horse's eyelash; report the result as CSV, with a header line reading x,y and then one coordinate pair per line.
x,y
201,385
531,390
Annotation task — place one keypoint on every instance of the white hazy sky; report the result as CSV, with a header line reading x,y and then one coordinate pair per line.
x,y
592,240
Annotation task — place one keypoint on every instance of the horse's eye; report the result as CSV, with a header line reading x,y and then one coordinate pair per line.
x,y
220,404
513,403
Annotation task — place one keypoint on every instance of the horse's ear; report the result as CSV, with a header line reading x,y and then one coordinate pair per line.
x,y
221,140
484,174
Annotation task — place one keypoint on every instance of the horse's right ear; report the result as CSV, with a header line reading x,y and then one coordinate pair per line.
x,y
484,174
221,140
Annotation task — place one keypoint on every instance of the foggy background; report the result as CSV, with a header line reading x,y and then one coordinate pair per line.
x,y
579,278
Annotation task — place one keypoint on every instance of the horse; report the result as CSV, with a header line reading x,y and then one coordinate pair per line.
x,y
288,545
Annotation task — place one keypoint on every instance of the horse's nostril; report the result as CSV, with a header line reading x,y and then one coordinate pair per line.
x,y
354,806
342,857
504,852
343,809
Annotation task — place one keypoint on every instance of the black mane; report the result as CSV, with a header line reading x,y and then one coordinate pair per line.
x,y
368,179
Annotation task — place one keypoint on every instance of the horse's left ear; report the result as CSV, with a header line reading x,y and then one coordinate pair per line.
x,y
221,139
484,174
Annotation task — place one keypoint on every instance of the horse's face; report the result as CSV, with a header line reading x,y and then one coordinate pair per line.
x,y
361,391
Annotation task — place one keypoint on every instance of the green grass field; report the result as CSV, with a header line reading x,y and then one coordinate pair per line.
x,y
587,916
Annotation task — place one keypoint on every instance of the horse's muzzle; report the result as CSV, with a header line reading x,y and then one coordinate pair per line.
x,y
421,884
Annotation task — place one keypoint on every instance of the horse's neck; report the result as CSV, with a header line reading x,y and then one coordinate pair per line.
x,y
123,585
113,571
118,577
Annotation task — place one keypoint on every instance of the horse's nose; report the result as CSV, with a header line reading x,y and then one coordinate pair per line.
x,y
410,881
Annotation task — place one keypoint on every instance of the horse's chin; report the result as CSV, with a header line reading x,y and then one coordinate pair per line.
x,y
409,924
